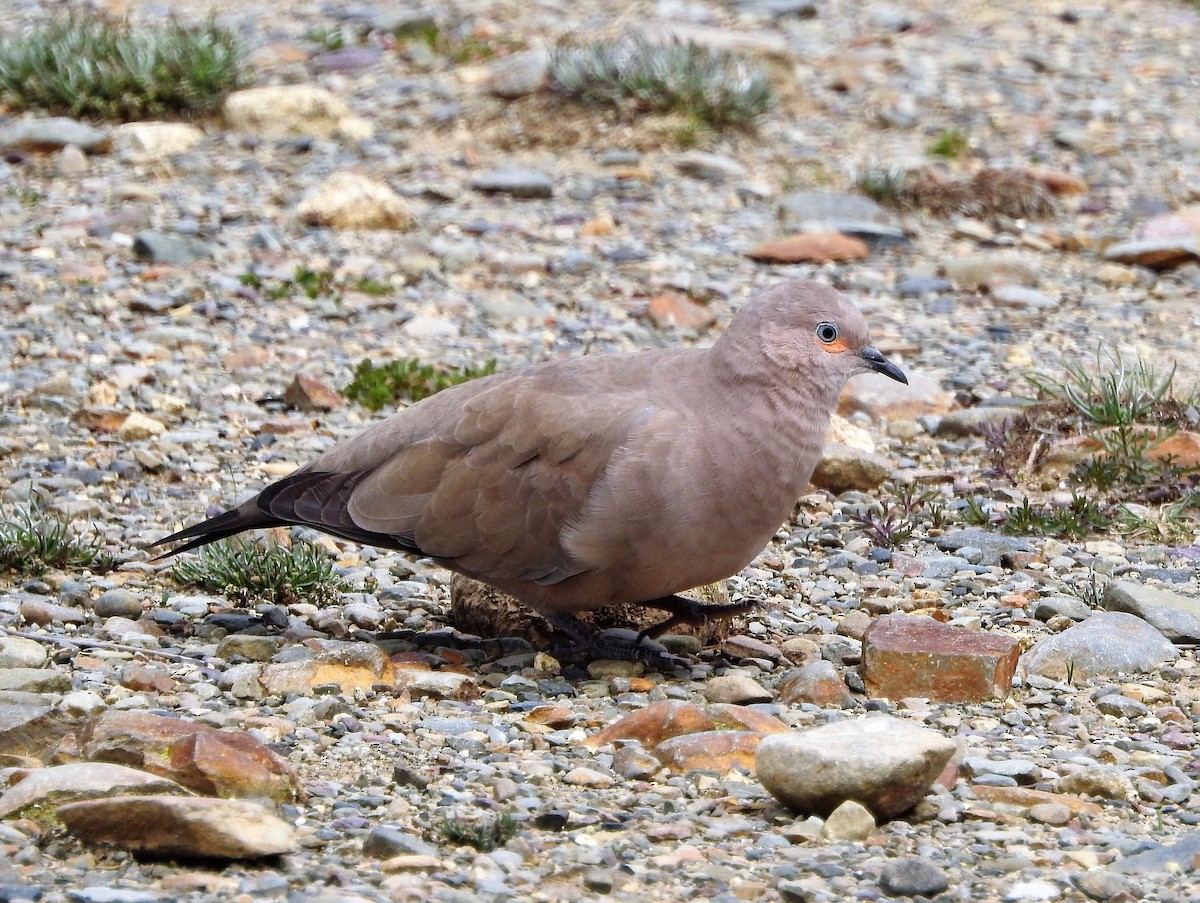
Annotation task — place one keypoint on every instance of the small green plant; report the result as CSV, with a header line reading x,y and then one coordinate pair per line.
x,y
376,386
985,193
311,284
950,144
1114,392
484,835
82,65
327,38
711,86
250,573
35,540
1078,519
1090,591
886,184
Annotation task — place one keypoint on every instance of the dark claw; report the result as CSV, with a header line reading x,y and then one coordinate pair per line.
x,y
613,646
688,611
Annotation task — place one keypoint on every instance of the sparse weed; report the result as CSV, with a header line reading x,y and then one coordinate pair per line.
x,y
82,65
986,193
1114,393
711,86
1078,519
950,144
250,573
376,386
35,540
895,520
886,184
311,284
484,835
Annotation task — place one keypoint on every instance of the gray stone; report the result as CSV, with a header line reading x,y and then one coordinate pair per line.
x,y
519,74
18,652
969,421
1022,298
163,247
1022,771
710,167
886,763
912,876
833,211
1176,858
736,689
1175,616
1107,643
384,842
515,181
993,545
53,133
851,820
1155,253
1121,706
78,781
1061,606
99,894
120,603
34,680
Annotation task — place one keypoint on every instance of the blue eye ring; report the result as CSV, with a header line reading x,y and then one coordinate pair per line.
x,y
827,333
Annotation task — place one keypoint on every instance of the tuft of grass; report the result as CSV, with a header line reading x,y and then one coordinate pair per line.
x,y
1114,393
950,144
312,284
711,86
986,193
1078,519
252,574
82,65
484,835
376,386
35,540
883,183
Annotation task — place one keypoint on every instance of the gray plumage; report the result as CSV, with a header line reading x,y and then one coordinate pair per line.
x,y
583,483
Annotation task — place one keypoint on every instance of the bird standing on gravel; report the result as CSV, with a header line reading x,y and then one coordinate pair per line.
x,y
579,484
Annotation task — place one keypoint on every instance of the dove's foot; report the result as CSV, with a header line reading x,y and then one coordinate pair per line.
x,y
625,646
688,611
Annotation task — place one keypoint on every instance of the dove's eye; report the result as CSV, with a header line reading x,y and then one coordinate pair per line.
x,y
827,333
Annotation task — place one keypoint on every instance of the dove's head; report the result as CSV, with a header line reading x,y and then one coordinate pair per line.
x,y
809,328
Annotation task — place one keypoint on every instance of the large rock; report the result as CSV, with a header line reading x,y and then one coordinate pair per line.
x,y
351,666
141,142
833,211
885,763
31,731
284,111
917,656
34,680
843,468
179,826
717,751
45,788
53,133
1175,616
1107,643
201,758
348,200
656,723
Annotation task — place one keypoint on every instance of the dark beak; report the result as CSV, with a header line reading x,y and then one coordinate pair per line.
x,y
881,364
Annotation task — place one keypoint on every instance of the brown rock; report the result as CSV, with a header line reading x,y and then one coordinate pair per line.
x,y
672,311
99,420
731,717
143,679
1059,183
709,751
918,656
43,613
883,398
349,666
843,468
424,684
811,247
1024,798
201,758
247,357
817,682
31,731
45,788
1156,253
656,723
349,200
307,393
179,826
552,715
1182,449
742,646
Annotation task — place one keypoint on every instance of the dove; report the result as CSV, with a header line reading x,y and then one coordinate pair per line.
x,y
582,483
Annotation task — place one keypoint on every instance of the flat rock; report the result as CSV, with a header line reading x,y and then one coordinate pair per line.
x,y
519,74
710,167
200,757
287,111
912,876
169,248
30,730
918,656
420,684
19,652
141,142
514,181
350,200
843,468
736,689
50,787
53,133
307,393
1107,643
882,398
657,722
1175,616
835,211
887,764
1022,799
204,828
991,270
1155,253
810,247
34,680
993,545
717,751
349,666
728,716
1180,857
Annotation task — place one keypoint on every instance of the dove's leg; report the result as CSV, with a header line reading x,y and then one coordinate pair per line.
x,y
688,611
608,647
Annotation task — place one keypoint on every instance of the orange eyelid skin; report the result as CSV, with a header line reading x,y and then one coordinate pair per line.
x,y
837,346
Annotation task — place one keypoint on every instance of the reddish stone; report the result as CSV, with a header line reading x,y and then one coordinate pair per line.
x,y
811,247
310,394
1058,182
656,723
1025,797
818,683
146,680
917,656
717,751
203,759
1181,449
740,718
679,312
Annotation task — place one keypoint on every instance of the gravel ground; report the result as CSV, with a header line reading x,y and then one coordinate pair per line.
x,y
92,332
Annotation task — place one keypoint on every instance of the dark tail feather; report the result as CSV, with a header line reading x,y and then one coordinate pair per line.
x,y
246,516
